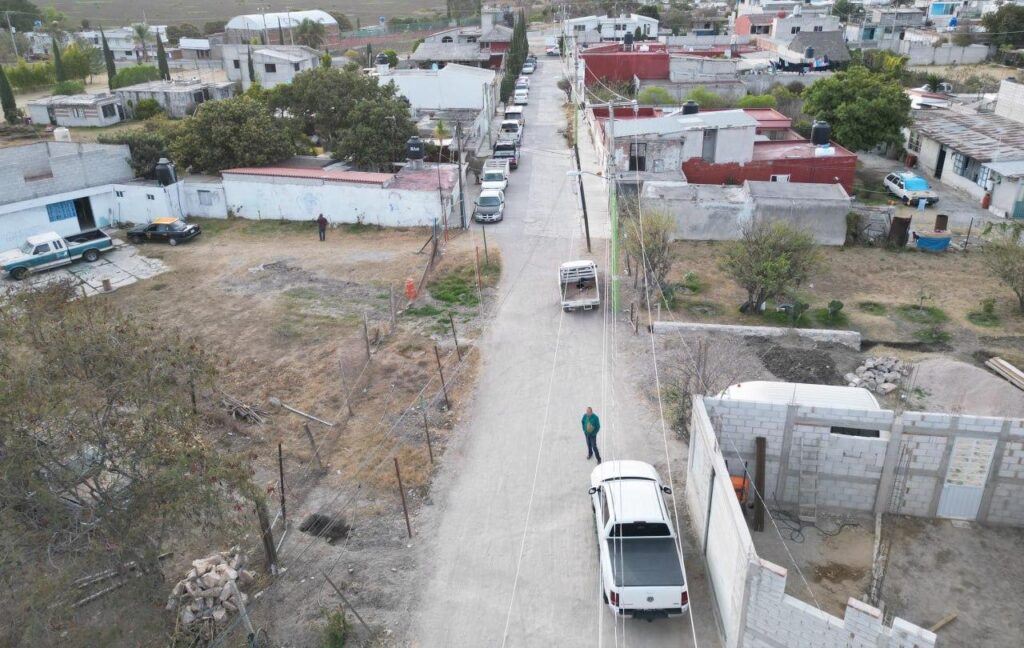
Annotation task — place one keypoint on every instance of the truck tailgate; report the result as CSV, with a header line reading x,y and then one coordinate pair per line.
x,y
645,562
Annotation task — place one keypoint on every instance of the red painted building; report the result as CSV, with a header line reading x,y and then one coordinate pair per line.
x,y
614,62
754,24
792,160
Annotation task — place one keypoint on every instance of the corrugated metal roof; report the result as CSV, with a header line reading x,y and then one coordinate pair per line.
x,y
825,43
982,137
361,177
1013,169
450,52
766,391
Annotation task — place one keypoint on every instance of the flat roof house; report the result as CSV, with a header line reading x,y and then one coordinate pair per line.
x,y
77,110
179,97
597,29
273,64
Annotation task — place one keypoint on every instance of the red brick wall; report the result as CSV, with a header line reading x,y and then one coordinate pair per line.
x,y
742,26
819,170
622,66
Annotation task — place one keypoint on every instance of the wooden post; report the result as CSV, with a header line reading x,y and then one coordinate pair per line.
x,y
632,311
444,387
401,491
487,258
242,611
426,430
760,452
344,385
479,282
267,534
312,444
345,601
280,470
394,314
192,389
455,335
366,335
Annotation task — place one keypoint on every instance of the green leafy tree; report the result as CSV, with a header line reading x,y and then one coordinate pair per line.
x,y
655,96
864,108
933,81
23,14
369,55
649,235
161,60
58,64
133,75
1006,25
847,10
651,11
756,101
310,33
326,60
94,477
26,76
323,100
707,99
185,30
54,21
1004,258
108,61
392,57
236,132
251,67
146,145
69,88
377,139
7,102
769,261
214,27
140,31
344,22
147,109
78,60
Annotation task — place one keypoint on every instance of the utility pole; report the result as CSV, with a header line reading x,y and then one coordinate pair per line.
x,y
462,195
583,196
613,206
10,30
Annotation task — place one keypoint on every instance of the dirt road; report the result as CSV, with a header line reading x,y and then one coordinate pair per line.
x,y
507,551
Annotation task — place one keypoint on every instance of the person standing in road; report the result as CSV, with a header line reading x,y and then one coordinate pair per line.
x,y
321,224
591,426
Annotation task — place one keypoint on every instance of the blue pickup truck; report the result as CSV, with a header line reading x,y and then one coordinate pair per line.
x,y
51,250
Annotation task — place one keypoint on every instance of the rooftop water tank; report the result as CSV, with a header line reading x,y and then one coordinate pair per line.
x,y
414,148
691,108
61,134
165,173
821,133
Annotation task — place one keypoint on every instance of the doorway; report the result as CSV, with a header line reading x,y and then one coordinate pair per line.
x,y
83,208
940,162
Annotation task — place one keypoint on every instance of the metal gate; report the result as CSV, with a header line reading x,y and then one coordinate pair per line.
x,y
965,480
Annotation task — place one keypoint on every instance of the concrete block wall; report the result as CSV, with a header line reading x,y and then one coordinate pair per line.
x,y
60,167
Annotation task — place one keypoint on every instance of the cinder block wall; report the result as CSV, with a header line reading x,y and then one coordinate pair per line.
x,y
59,167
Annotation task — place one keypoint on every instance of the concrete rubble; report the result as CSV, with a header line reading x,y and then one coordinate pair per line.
x,y
211,588
881,375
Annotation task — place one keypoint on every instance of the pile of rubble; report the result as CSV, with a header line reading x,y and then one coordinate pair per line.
x,y
881,375
211,588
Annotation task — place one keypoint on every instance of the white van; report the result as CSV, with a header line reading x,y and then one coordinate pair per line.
x,y
521,97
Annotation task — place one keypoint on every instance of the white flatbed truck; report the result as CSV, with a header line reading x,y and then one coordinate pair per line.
x,y
579,286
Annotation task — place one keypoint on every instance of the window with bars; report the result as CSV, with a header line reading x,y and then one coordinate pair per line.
x,y
914,142
984,175
966,167
794,30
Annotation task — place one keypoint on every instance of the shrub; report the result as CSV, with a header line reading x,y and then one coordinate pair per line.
x,y
756,101
707,99
69,88
932,335
655,96
922,314
986,316
133,75
335,630
25,76
872,308
147,108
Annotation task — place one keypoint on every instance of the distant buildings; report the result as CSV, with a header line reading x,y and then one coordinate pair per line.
x,y
77,110
123,43
269,28
178,98
482,46
598,29
273,64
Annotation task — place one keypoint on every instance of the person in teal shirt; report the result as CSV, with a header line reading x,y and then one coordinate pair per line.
x,y
591,426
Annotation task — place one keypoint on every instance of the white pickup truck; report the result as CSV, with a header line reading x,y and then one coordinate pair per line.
x,y
641,563
578,285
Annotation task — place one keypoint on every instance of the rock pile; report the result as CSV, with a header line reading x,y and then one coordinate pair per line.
x,y
211,588
881,375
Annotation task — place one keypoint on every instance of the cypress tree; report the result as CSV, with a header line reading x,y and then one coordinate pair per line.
x,y
58,64
161,59
280,32
7,102
252,69
108,60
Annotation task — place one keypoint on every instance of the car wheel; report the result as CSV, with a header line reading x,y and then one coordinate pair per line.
x,y
906,200
135,239
91,255
172,241
19,273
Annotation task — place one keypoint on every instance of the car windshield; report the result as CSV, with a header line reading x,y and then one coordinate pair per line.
x,y
504,148
494,176
510,128
915,184
490,201
27,248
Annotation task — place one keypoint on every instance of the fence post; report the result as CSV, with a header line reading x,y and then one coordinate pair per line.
x,y
366,335
444,387
312,444
455,335
280,469
426,430
267,534
344,385
401,491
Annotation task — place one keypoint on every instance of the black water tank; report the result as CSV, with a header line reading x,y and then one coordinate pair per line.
x,y
627,38
821,133
165,173
691,108
382,59
414,148
809,53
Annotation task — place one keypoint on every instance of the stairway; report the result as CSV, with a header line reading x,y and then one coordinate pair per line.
x,y
810,451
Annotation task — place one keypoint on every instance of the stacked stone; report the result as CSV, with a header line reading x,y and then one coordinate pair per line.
x,y
211,588
881,375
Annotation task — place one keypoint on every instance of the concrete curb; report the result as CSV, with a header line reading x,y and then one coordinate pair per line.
x,y
846,338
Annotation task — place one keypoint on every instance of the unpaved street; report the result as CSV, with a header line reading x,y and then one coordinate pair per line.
x,y
507,550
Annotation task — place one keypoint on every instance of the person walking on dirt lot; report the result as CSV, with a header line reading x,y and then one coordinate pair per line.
x,y
591,426
321,224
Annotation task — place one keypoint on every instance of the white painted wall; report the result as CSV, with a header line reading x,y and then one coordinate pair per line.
x,y
192,206
1010,102
454,86
29,217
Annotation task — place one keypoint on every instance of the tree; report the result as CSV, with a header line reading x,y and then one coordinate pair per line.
x,y
344,23
369,55
23,14
141,33
95,477
963,37
161,60
655,96
934,82
756,101
310,33
133,75
1004,258
864,108
54,21
648,237
770,260
108,61
214,27
326,60
1006,25
846,10
147,109
185,30
68,88
236,132
392,57
707,99
323,100
7,102
651,11
251,67
77,60
377,139
146,145
58,64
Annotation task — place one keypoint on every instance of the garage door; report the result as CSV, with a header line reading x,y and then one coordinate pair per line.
x,y
965,480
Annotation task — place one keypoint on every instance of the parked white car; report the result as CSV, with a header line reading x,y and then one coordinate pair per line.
x,y
511,129
521,97
641,563
529,68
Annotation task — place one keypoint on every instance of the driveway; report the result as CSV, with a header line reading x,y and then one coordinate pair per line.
x,y
510,556
122,266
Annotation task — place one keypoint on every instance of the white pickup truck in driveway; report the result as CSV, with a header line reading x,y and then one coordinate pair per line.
x,y
641,563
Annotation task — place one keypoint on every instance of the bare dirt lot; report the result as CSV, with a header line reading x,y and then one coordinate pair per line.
x,y
284,313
